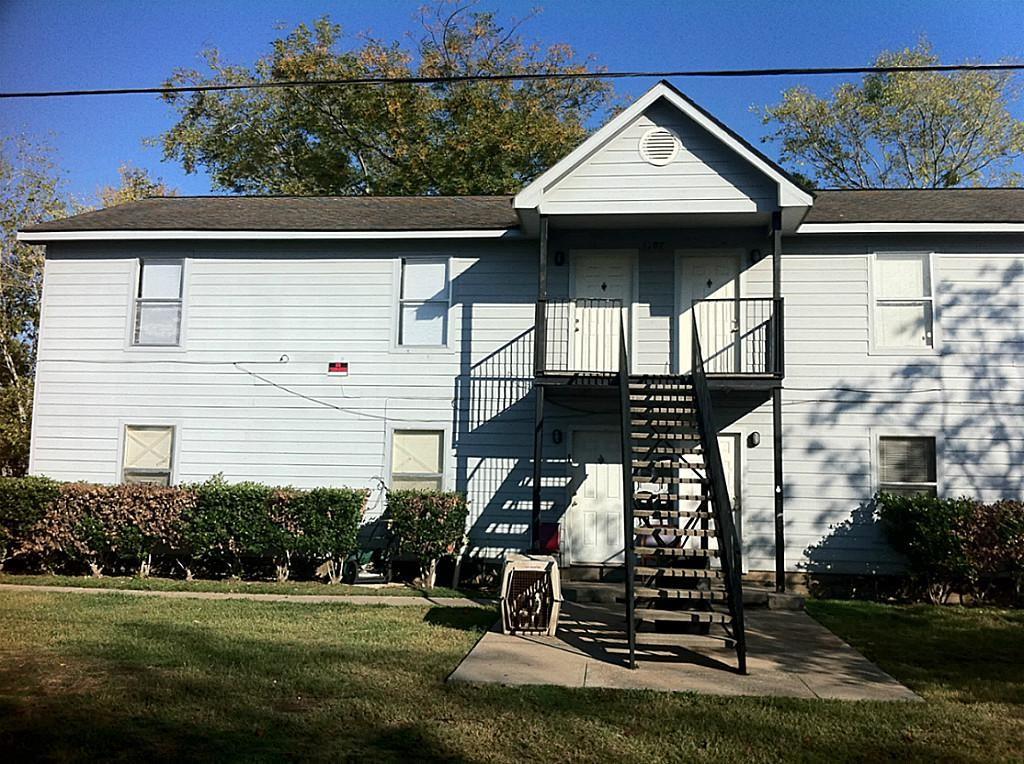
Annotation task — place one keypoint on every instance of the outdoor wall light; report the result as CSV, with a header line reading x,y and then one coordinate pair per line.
x,y
754,439
556,436
559,257
755,255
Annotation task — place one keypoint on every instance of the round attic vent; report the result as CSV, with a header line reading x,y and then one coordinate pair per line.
x,y
659,146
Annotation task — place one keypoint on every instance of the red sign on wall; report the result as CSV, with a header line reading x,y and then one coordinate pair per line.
x,y
338,367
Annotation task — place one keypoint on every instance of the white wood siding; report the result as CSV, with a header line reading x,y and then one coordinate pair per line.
x,y
245,308
839,396
705,176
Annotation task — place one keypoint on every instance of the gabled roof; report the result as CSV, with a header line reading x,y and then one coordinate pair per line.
x,y
790,193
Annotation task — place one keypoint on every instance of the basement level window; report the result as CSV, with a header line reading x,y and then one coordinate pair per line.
x,y
148,454
906,466
158,303
417,460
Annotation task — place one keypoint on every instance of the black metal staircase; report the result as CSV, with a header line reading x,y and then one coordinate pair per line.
x,y
683,563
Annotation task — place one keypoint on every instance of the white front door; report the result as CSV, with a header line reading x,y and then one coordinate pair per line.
x,y
703,278
598,277
595,526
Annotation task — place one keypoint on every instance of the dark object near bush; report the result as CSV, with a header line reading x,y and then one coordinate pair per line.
x,y
956,544
427,525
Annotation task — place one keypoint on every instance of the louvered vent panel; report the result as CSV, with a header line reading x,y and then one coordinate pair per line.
x,y
659,146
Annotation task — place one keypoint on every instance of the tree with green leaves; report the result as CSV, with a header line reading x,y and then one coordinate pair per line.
x,y
135,183
468,137
31,191
903,129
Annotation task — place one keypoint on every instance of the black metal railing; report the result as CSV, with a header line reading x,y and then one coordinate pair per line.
x,y
741,336
579,335
628,499
730,553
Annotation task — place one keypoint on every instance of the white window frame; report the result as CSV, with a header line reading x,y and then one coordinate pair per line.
x,y
135,300
122,442
873,347
904,432
399,302
420,427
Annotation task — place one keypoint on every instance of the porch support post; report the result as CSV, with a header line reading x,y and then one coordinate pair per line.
x,y
539,356
780,522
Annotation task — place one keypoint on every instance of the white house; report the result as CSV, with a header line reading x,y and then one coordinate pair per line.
x,y
346,341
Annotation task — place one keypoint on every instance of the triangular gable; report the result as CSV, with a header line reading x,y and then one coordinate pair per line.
x,y
713,169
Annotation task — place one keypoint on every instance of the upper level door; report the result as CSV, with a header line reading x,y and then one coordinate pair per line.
x,y
602,290
714,278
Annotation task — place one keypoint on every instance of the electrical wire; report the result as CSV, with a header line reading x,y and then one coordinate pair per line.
x,y
513,77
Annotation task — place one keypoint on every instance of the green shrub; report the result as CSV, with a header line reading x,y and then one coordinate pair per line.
x,y
956,544
326,523
996,548
427,525
24,502
229,523
121,526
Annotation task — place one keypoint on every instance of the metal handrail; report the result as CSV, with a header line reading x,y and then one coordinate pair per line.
x,y
558,347
761,341
729,546
627,492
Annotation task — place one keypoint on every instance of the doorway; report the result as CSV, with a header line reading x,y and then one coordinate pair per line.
x,y
716,278
603,291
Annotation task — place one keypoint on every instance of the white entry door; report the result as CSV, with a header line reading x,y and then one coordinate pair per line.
x,y
595,526
599,276
703,278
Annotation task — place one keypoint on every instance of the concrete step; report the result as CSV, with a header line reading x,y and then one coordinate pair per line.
x,y
598,592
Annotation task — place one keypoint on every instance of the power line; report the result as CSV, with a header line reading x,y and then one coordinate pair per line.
x,y
517,77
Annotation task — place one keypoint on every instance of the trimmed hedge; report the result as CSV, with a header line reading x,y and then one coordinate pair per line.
x,y
427,525
956,544
215,527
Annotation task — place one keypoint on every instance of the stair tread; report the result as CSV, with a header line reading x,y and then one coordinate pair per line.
x,y
669,514
662,593
647,570
664,530
673,551
685,616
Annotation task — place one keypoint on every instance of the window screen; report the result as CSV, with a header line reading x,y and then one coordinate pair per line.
x,y
423,310
907,465
148,451
158,303
903,302
417,459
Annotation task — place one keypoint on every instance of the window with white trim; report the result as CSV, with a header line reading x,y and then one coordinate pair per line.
x,y
417,459
903,312
158,303
906,466
424,302
148,454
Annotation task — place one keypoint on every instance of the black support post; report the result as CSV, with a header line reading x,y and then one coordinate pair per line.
x,y
539,356
780,518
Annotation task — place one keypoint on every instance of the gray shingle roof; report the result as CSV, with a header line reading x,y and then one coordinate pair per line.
x,y
952,205
443,213
296,213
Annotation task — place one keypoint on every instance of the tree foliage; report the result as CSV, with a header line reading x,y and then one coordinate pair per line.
x,y
451,138
31,191
135,183
903,129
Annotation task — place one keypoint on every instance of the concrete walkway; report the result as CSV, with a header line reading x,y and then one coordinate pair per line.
x,y
348,599
789,654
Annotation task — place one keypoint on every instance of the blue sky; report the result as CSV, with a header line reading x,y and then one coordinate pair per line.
x,y
106,43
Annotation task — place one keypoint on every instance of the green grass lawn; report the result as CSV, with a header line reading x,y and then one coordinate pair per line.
x,y
141,678
155,584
